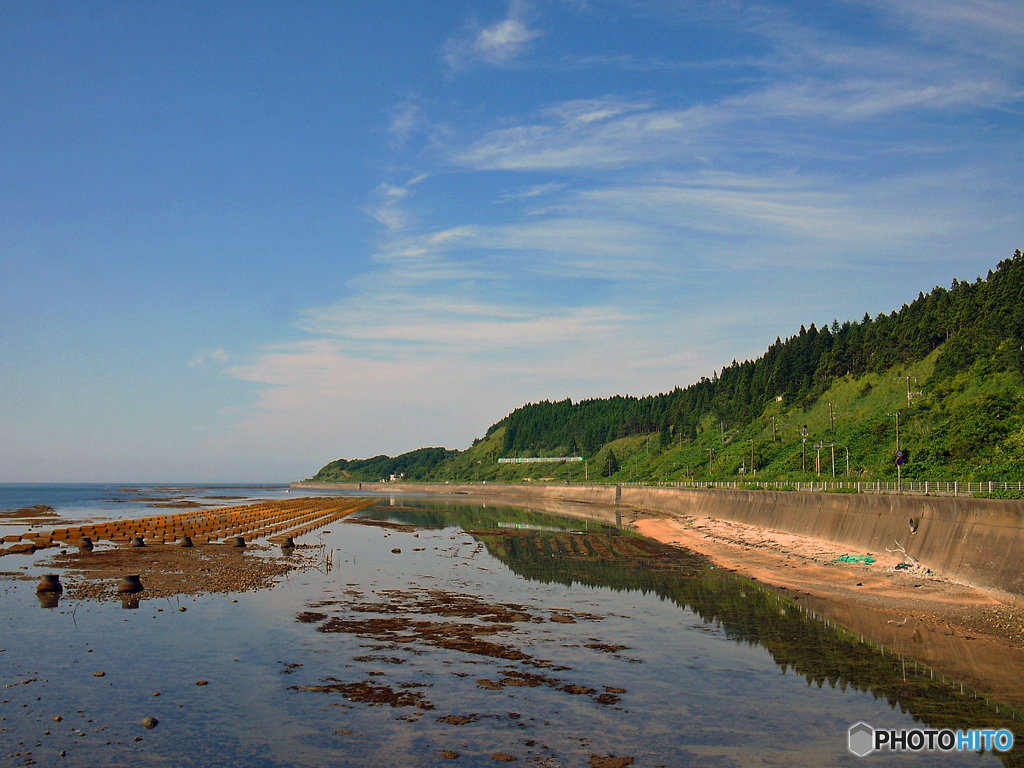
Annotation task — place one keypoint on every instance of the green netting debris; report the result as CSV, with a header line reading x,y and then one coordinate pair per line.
x,y
865,559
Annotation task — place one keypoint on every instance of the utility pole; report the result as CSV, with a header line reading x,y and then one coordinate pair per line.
x,y
751,455
831,419
833,460
711,458
910,392
773,429
803,449
899,466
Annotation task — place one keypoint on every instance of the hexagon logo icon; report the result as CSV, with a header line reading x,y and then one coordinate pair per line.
x,y
862,739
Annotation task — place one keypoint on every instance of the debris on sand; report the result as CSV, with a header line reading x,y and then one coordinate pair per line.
x,y
458,719
29,513
455,622
368,693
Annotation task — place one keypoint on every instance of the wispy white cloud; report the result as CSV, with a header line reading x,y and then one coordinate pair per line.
x,y
457,327
862,99
985,29
595,134
499,44
405,118
385,205
423,370
209,357
613,134
533,191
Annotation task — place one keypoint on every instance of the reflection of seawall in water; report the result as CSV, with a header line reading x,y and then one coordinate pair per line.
x,y
798,639
974,661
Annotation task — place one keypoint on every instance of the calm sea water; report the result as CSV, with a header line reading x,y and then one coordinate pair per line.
x,y
432,628
106,501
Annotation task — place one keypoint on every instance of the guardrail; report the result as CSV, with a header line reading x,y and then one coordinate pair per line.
x,y
919,487
925,487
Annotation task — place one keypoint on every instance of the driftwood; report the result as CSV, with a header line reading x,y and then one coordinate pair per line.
x,y
903,551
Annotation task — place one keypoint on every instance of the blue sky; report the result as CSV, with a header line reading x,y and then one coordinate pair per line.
x,y
240,240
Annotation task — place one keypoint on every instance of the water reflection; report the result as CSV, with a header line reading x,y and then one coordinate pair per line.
x,y
821,652
546,550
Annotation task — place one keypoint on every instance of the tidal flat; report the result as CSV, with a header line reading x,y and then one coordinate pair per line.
x,y
428,632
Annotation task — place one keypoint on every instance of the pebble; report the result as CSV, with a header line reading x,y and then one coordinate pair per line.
x,y
101,673
202,682
149,723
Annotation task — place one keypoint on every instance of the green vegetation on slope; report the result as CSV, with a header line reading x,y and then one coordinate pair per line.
x,y
948,367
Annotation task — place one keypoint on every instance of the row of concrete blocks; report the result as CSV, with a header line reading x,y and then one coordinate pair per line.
x,y
241,519
173,528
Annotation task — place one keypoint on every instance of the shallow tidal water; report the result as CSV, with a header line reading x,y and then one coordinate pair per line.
x,y
491,635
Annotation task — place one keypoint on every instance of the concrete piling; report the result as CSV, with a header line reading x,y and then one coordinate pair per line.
x,y
130,585
50,582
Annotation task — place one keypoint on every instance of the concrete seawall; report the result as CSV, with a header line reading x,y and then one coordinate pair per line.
x,y
974,541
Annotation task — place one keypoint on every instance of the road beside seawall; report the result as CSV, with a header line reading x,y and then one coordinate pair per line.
x,y
974,541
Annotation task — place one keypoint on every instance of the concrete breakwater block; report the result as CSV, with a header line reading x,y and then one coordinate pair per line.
x,y
50,582
130,585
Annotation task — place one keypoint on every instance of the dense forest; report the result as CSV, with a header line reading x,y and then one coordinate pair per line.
x,y
959,353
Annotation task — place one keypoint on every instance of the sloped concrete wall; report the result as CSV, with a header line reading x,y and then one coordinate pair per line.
x,y
975,541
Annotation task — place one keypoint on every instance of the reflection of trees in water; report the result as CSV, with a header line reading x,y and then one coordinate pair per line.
x,y
608,557
747,614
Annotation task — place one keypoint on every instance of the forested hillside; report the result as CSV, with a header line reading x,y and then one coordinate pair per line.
x,y
950,363
416,464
